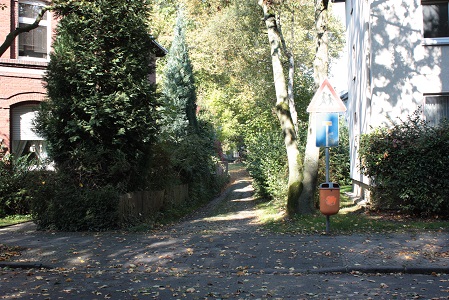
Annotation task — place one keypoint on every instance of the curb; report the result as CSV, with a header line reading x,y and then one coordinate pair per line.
x,y
348,270
345,270
383,270
17,265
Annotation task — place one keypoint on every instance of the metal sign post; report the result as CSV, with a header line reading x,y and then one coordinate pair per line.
x,y
327,105
326,151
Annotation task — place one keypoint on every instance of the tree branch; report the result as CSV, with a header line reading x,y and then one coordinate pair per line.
x,y
12,35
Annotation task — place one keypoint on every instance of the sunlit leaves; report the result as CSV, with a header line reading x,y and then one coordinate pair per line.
x,y
408,164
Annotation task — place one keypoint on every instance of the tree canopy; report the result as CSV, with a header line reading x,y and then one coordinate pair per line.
x,y
234,78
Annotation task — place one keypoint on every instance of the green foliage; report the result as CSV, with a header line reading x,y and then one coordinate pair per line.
x,y
267,163
61,203
100,119
100,115
234,77
408,165
194,159
14,219
188,143
339,162
16,182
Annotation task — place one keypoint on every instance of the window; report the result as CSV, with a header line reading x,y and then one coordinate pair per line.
x,y
436,108
24,139
33,44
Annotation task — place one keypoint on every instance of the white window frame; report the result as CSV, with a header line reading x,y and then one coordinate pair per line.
x,y
445,97
46,23
24,138
439,40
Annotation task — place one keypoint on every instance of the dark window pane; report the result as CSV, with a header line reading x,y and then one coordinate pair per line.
x,y
435,18
33,43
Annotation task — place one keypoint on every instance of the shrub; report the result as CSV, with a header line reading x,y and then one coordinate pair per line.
x,y
195,160
63,204
16,180
267,163
409,164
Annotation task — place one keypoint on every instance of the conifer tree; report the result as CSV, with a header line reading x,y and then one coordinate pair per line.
x,y
100,117
178,87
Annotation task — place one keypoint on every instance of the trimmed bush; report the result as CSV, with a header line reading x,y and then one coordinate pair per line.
x,y
62,204
409,165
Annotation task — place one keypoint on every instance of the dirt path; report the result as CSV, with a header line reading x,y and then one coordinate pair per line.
x,y
234,210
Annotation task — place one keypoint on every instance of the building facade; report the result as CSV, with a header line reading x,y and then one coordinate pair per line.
x,y
22,67
398,63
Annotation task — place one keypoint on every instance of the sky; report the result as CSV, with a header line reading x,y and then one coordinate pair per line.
x,y
338,76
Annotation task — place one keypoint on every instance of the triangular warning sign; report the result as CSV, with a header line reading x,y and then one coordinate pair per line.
x,y
326,100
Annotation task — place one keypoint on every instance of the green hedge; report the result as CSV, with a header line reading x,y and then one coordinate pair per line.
x,y
409,165
62,204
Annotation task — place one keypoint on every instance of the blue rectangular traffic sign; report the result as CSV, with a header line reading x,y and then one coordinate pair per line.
x,y
326,129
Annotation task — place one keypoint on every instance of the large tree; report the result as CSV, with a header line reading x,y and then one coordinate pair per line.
x,y
282,107
100,119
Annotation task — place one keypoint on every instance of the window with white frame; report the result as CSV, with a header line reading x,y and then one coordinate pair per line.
x,y
34,44
25,140
436,108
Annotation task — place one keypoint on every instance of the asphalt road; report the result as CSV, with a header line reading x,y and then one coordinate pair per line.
x,y
222,253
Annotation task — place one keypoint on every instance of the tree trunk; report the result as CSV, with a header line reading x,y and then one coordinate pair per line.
x,y
310,171
312,154
283,111
291,74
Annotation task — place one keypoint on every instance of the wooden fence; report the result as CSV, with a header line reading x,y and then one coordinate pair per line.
x,y
145,204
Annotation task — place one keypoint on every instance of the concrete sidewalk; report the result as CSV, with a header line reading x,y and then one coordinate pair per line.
x,y
230,250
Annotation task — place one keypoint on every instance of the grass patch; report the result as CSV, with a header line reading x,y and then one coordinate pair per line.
x,y
350,219
15,219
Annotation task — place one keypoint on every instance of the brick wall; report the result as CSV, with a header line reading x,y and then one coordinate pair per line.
x,y
18,85
20,80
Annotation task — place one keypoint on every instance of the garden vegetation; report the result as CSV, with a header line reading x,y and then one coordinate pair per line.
x,y
408,165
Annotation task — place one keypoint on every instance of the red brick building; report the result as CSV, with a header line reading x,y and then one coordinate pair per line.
x,y
22,67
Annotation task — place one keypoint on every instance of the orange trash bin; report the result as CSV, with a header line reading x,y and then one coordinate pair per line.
x,y
329,198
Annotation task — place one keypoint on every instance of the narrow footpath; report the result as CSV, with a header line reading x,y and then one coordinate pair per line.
x,y
222,252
